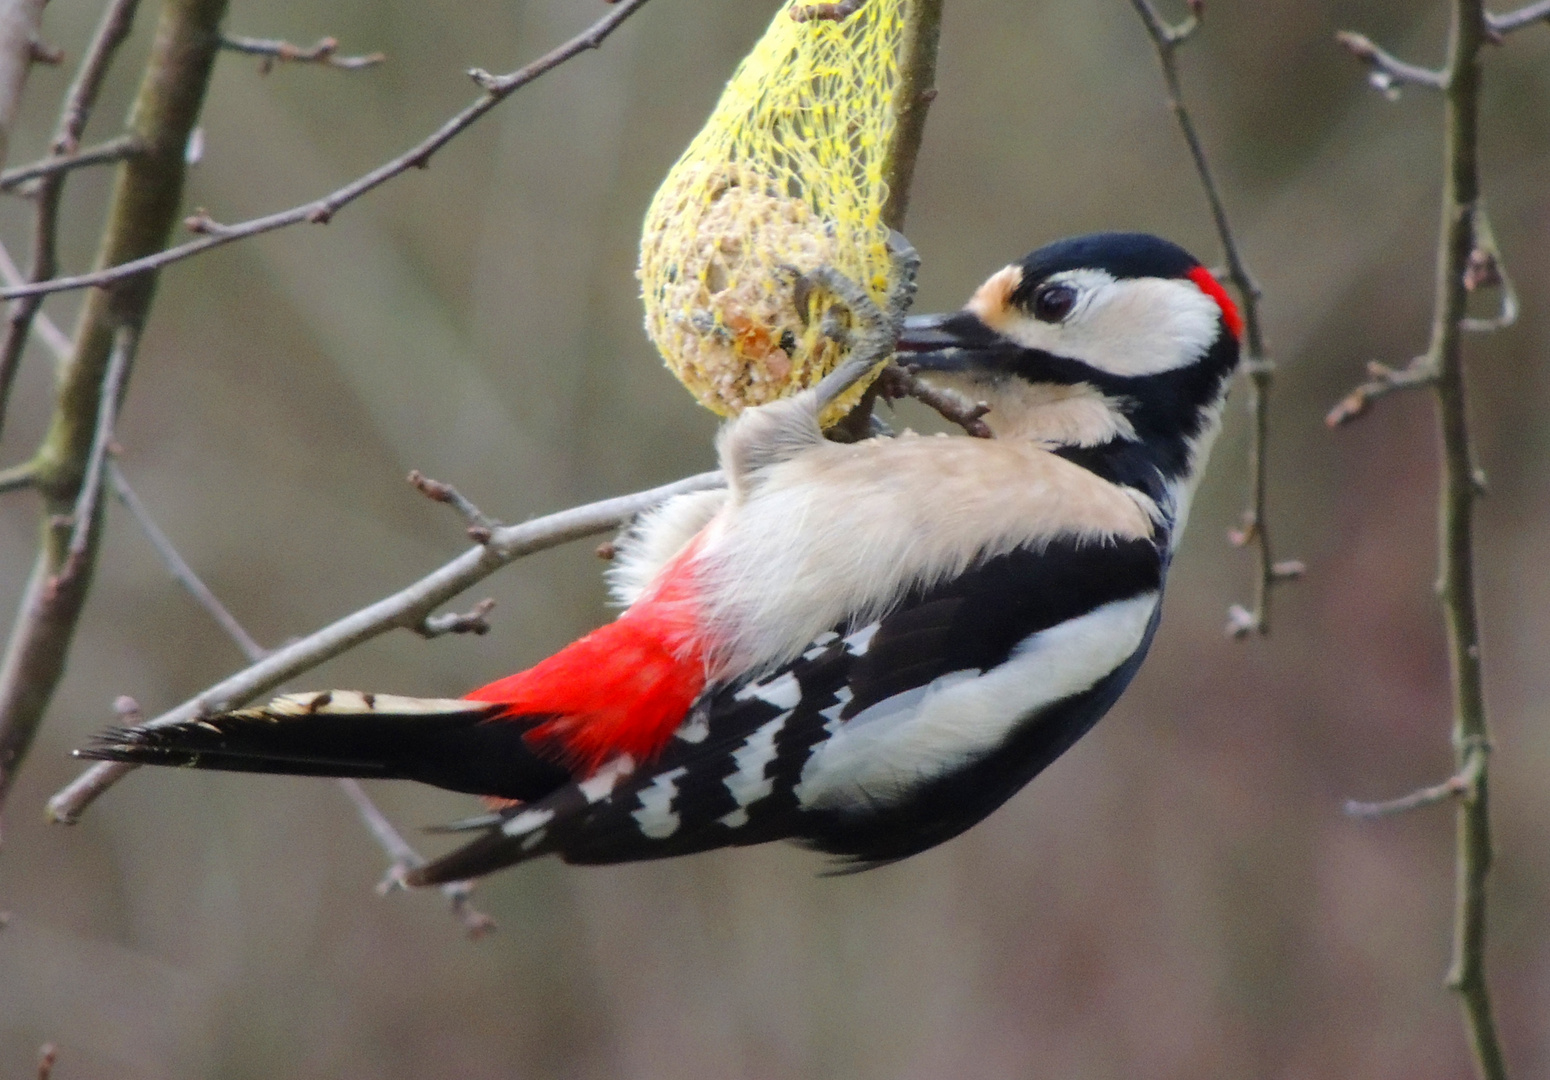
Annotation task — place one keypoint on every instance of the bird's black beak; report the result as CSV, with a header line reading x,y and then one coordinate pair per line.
x,y
958,343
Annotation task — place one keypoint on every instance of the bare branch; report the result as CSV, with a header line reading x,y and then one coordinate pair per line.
x,y
48,1054
1502,25
1452,788
480,525
405,608
1486,270
320,211
54,339
325,52
83,520
117,19
179,568
115,149
18,477
1382,381
1257,365
899,381
20,48
1386,71
826,12
469,622
405,859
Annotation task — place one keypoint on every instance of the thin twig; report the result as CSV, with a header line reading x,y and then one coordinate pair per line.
x,y
476,621
1254,528
405,858
405,608
1456,786
480,525
178,567
84,518
899,381
18,477
54,339
48,1054
320,211
1505,23
1382,380
104,153
1386,71
117,19
325,51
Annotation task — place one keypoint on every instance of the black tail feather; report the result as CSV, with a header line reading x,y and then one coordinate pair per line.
x,y
454,744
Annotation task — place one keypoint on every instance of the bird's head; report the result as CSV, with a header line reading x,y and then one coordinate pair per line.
x,y
1114,349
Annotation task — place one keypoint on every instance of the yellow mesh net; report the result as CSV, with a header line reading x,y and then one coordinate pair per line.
x,y
785,176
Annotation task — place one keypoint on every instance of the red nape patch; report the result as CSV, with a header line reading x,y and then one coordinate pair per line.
x,y
622,689
1213,288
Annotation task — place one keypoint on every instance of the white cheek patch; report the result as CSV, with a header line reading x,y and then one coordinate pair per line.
x,y
923,733
1126,327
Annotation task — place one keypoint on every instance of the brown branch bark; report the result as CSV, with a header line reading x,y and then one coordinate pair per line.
x,y
1463,236
145,204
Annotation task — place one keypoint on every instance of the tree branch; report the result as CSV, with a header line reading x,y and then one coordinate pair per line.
x,y
320,211
1502,25
912,100
325,51
1382,381
1255,528
1386,71
105,153
406,858
144,206
1464,235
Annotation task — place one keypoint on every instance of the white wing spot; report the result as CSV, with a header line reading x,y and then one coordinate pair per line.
x,y
749,784
533,839
601,784
735,820
656,816
858,643
831,714
695,727
783,691
525,822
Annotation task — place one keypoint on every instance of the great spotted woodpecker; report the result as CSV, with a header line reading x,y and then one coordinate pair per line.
x,y
863,647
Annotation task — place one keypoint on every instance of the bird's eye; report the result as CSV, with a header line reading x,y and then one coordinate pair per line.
x,y
1051,303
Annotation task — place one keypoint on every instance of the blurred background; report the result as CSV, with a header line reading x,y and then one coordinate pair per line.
x,y
1178,897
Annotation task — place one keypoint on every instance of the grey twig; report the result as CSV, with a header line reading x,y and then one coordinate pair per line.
x,y
324,51
480,525
1502,25
899,381
18,477
320,211
1255,527
476,621
1386,71
181,572
1458,786
1382,380
405,859
115,149
83,520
